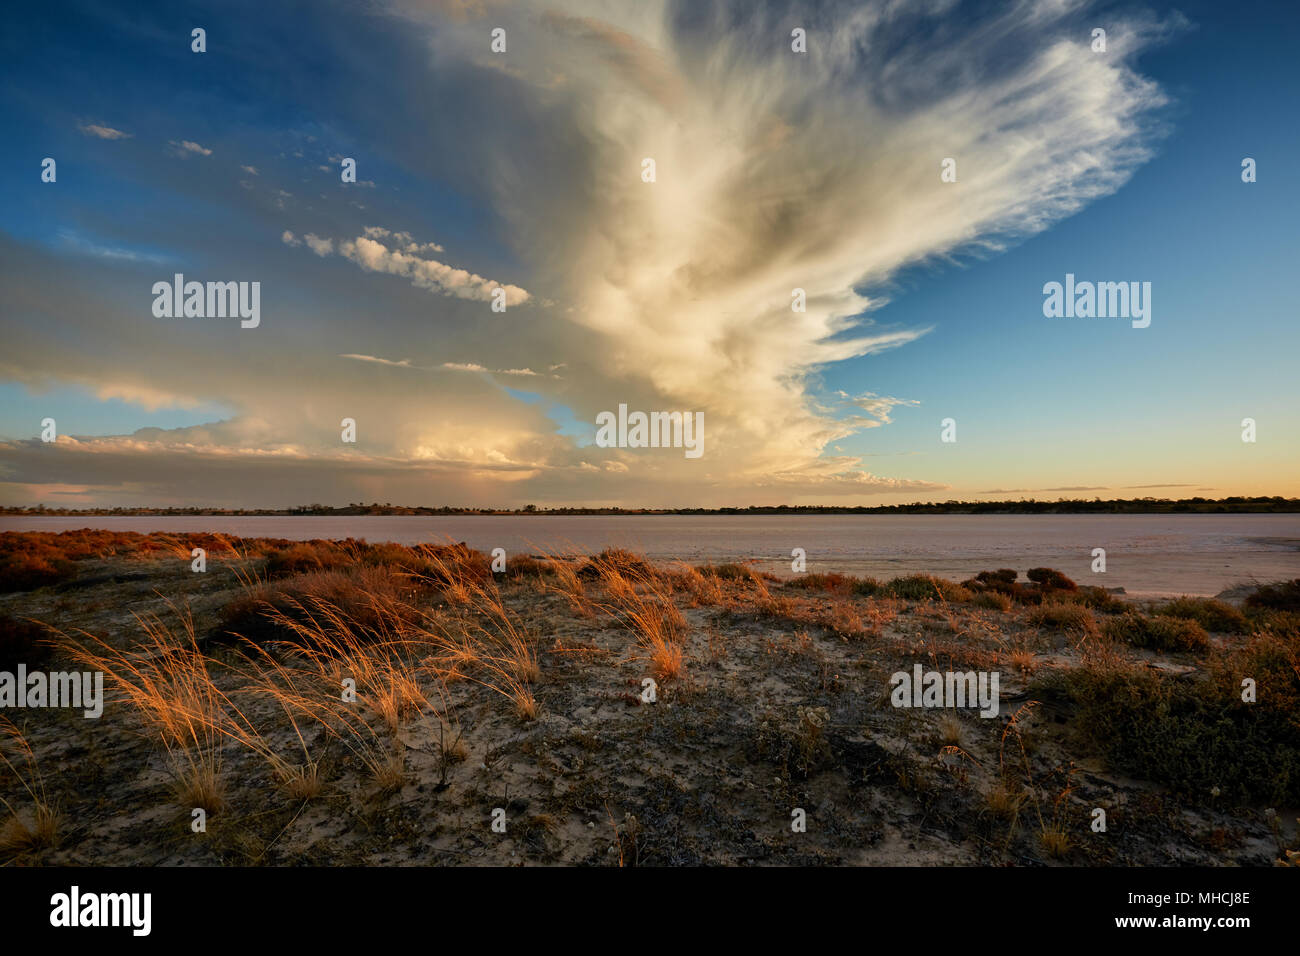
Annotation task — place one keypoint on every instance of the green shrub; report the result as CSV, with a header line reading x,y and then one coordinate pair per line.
x,y
525,566
992,599
1157,633
924,587
1062,614
1211,614
1099,599
1192,735
831,583
1279,596
866,587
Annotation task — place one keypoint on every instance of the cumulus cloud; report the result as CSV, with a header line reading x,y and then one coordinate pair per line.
x,y
322,247
777,172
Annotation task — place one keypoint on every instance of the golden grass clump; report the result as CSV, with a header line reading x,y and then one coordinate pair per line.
x,y
950,731
1062,614
1004,801
167,680
1023,660
641,598
39,829
1056,841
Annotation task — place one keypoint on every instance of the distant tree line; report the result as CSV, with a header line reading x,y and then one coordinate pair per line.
x,y
1232,505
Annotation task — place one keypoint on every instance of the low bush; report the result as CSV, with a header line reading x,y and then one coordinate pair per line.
x,y
1195,735
1279,596
626,563
924,587
1049,579
1044,584
367,600
1157,633
1063,615
27,572
830,583
993,599
1211,614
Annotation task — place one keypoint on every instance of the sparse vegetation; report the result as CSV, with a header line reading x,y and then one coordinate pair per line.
x,y
388,687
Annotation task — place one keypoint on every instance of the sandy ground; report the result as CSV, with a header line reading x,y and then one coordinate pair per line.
x,y
709,773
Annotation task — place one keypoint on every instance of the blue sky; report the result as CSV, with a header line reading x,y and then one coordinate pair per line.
x,y
522,170
1220,255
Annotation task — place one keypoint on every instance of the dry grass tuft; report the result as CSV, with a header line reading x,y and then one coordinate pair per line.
x,y
951,733
1005,800
1023,660
38,829
167,680
1056,841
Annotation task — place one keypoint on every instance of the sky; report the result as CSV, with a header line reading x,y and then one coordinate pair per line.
x,y
518,177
